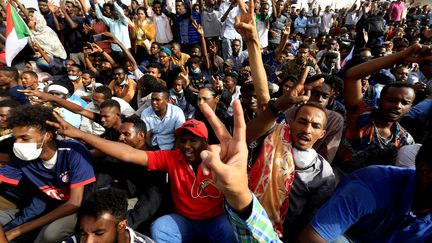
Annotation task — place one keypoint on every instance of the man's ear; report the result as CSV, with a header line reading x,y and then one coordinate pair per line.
x,y
121,226
323,133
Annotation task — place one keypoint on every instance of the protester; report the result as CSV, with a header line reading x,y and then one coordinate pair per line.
x,y
135,73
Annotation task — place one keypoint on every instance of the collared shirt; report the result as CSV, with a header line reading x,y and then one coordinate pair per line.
x,y
228,31
181,22
180,61
194,194
163,129
118,27
361,146
300,24
256,228
164,34
126,91
239,59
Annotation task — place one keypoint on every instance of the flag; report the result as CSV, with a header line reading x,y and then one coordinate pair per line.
x,y
16,33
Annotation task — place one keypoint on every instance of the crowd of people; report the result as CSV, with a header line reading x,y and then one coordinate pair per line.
x,y
216,121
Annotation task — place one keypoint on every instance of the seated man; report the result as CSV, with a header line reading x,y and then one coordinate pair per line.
x,y
29,80
99,95
162,119
324,94
373,136
62,91
102,218
305,179
196,199
378,204
6,137
9,81
55,172
122,86
109,117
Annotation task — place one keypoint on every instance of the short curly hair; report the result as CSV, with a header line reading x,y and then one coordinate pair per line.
x,y
32,116
113,201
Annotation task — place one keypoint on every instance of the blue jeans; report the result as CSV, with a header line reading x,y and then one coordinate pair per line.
x,y
176,228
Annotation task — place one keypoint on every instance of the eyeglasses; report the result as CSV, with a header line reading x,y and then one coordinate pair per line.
x,y
163,56
118,74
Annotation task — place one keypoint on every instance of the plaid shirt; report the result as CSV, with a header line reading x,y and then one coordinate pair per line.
x,y
256,228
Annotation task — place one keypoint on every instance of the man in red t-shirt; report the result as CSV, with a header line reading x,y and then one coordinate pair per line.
x,y
199,213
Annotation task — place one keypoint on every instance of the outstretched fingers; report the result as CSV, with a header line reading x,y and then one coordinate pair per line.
x,y
218,127
242,6
239,133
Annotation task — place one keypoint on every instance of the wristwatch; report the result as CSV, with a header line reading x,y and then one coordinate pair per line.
x,y
271,106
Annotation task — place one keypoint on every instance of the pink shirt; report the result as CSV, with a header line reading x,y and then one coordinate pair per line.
x,y
396,10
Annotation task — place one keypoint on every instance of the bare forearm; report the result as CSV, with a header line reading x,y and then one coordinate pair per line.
x,y
259,125
62,211
117,150
70,22
259,76
205,53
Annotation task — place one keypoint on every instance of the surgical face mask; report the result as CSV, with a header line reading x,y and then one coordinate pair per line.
x,y
73,78
122,83
304,158
28,151
196,70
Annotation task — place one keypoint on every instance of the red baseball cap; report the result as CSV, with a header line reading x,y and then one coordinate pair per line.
x,y
196,127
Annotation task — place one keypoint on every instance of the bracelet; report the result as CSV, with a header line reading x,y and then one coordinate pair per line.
x,y
271,106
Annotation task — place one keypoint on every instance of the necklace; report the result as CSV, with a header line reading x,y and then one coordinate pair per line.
x,y
382,141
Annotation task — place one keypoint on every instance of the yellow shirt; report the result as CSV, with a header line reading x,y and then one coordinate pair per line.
x,y
125,92
143,31
180,61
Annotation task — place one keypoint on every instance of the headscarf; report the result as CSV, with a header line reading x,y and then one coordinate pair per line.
x,y
47,38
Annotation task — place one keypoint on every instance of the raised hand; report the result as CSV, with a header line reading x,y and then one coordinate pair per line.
x,y
245,23
41,96
63,127
287,29
228,161
298,94
212,47
417,53
96,48
185,76
198,28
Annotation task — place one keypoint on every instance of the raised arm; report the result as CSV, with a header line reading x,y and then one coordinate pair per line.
x,y
227,163
117,150
99,14
53,10
126,51
68,18
62,102
204,52
284,39
22,8
246,26
352,82
123,19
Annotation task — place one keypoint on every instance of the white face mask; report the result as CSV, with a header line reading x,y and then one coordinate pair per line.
x,y
73,78
28,151
304,158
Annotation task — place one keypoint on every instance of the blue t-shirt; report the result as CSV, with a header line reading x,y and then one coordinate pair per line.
x,y
374,204
18,96
72,169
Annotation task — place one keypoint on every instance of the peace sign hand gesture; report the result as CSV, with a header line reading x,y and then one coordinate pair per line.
x,y
298,94
245,23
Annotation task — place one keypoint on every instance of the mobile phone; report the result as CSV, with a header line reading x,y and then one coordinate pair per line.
x,y
98,38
